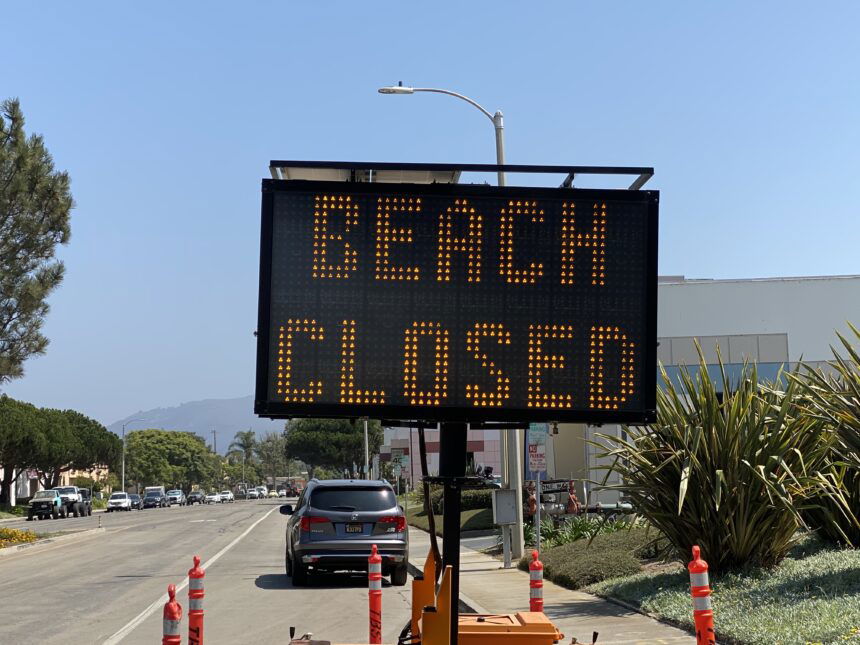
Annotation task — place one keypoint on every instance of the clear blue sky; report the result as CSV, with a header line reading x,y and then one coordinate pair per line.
x,y
166,115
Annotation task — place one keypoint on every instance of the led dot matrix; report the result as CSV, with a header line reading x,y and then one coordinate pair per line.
x,y
599,398
323,206
506,242
348,392
387,235
470,244
539,361
503,383
440,367
285,360
571,239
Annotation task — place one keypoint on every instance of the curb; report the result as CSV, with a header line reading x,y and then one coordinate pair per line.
x,y
24,517
39,544
639,610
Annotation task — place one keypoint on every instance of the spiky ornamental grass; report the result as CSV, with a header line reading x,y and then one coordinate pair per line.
x,y
731,472
832,397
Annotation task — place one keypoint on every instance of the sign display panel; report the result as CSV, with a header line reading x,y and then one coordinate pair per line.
x,y
457,302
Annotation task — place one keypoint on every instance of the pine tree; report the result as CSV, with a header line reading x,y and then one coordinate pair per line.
x,y
35,203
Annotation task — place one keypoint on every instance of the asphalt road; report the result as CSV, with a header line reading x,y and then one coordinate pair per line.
x,y
98,590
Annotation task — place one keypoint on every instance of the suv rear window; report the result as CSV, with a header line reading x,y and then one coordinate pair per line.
x,y
353,499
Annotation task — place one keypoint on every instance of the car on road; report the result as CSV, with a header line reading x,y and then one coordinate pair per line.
x,y
273,493
45,504
251,493
335,523
119,501
154,499
195,497
282,492
136,501
262,492
213,497
227,496
175,497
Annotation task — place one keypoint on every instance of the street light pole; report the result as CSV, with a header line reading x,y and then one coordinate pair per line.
x,y
123,450
497,119
512,442
366,452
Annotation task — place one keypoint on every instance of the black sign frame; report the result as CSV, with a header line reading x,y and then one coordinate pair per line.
x,y
265,407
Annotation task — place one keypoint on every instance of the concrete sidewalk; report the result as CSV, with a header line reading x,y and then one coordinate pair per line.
x,y
488,588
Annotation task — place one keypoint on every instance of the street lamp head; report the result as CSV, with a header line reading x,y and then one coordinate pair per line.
x,y
396,89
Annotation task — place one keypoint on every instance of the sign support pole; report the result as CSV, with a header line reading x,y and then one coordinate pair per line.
x,y
452,469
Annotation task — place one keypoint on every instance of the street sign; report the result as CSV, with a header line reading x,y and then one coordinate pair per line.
x,y
457,302
537,457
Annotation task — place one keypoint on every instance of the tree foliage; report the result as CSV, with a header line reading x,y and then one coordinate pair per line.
x,y
170,458
51,442
245,441
272,453
35,203
331,443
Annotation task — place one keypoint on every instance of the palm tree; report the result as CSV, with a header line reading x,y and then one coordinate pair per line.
x,y
245,441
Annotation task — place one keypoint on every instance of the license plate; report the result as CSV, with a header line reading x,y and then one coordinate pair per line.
x,y
354,528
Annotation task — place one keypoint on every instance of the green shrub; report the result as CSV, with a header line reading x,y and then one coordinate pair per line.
x,y
583,562
728,472
469,499
570,530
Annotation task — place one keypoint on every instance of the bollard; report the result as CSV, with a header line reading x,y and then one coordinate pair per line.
x,y
535,583
374,579
703,614
172,619
195,603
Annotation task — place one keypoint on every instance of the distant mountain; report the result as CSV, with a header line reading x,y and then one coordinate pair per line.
x,y
225,416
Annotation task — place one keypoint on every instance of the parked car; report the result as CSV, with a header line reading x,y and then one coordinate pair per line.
x,y
154,499
74,501
273,493
119,501
213,497
45,504
282,492
262,492
175,497
227,496
336,522
196,497
252,493
136,501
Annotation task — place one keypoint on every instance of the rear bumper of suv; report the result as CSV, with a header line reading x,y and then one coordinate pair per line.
x,y
352,554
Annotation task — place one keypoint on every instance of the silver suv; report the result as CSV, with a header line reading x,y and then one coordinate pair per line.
x,y
336,522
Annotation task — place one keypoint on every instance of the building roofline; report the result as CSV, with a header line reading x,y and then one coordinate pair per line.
x,y
673,280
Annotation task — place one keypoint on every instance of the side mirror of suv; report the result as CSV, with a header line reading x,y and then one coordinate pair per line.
x,y
287,509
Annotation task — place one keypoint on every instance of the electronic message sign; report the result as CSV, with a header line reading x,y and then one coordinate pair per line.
x,y
452,302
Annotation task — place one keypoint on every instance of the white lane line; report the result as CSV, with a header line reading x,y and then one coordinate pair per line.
x,y
158,604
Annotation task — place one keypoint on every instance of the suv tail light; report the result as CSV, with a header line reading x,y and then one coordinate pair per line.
x,y
398,520
307,521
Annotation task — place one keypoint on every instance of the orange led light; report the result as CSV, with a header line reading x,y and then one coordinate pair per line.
x,y
595,239
412,336
471,243
599,397
388,234
321,267
503,388
285,359
540,361
349,393
506,243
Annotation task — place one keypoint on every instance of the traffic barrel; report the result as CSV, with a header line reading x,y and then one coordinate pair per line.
x,y
172,618
374,580
535,583
195,603
703,614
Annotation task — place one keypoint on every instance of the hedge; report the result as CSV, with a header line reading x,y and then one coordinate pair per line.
x,y
470,499
584,562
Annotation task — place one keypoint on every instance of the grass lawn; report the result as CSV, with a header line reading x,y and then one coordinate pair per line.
x,y
472,520
813,596
9,512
